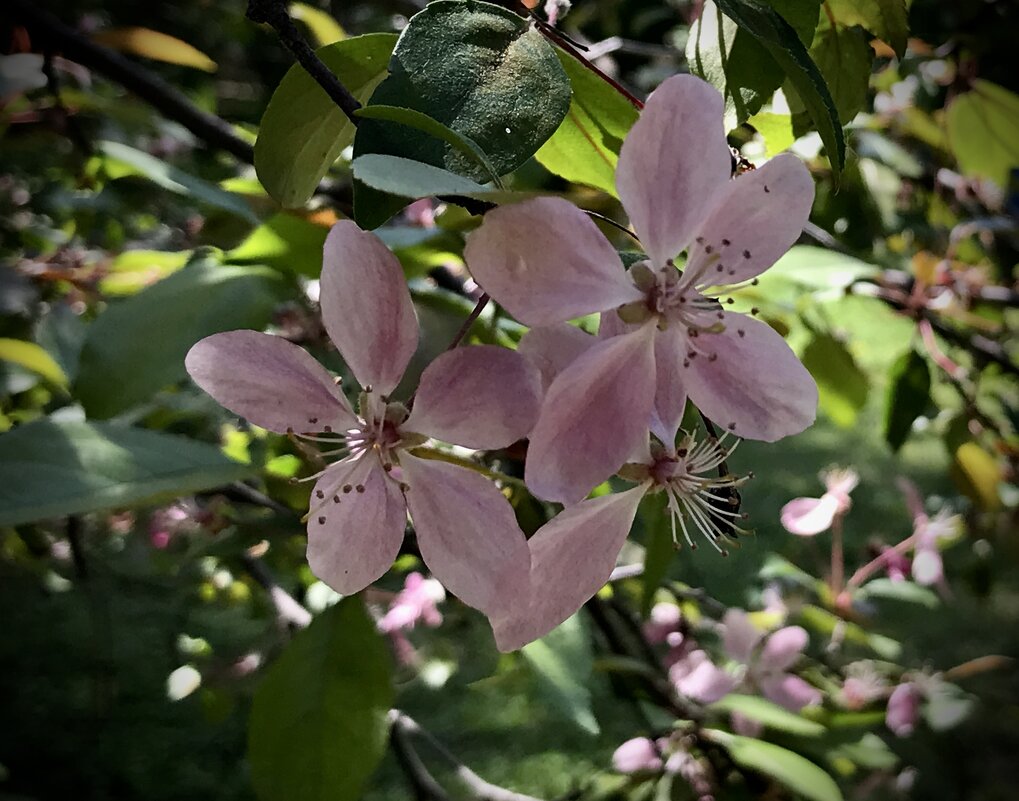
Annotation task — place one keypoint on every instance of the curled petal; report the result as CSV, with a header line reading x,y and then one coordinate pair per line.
x,y
740,635
480,396
783,648
572,557
755,387
760,215
636,755
269,382
673,163
670,394
554,347
809,516
698,678
593,418
354,535
790,691
547,262
928,568
366,307
467,532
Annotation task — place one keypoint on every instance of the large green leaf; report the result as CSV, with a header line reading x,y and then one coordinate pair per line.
x,y
909,392
797,773
137,346
983,130
407,178
886,19
586,146
841,384
286,242
478,69
303,131
819,268
769,714
34,358
57,468
318,721
563,664
844,57
782,42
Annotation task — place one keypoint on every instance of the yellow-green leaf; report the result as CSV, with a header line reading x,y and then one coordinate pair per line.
x,y
155,45
34,358
323,27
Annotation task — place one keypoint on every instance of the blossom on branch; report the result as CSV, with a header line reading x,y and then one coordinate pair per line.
x,y
810,516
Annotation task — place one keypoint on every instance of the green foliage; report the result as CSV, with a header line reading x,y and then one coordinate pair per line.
x,y
909,392
886,19
983,130
400,176
302,130
137,346
563,665
842,386
53,468
318,725
286,242
478,69
844,56
769,714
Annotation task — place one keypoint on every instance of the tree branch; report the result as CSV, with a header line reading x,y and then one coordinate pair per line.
x,y
54,36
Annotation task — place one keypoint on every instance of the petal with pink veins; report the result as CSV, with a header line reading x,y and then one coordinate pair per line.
x,y
594,416
670,394
480,396
809,516
546,262
552,348
755,387
783,648
790,691
673,164
269,382
758,217
366,307
354,535
467,532
572,557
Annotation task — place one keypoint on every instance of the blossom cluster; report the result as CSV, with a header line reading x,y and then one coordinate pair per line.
x,y
591,406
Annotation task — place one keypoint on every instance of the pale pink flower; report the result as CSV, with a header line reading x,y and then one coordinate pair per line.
x,y
903,711
573,554
810,516
863,684
896,564
928,567
478,397
636,756
546,262
663,622
698,678
418,601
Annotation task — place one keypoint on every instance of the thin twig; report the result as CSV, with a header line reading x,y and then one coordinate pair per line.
x,y
425,787
469,322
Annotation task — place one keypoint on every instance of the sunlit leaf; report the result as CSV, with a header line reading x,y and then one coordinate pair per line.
x,y
769,714
133,270
155,45
844,57
286,242
905,591
842,386
977,474
983,131
323,27
34,358
407,178
562,663
886,19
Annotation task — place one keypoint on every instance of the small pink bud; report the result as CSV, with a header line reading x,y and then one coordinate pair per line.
x,y
636,755
903,709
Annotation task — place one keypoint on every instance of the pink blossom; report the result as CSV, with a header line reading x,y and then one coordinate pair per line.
x,y
927,567
863,684
697,677
896,564
810,516
665,335
663,621
418,601
636,755
478,397
903,709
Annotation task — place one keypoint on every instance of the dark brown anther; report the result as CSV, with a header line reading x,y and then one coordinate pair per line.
x,y
720,315
720,268
766,189
755,311
754,282
731,426
328,429
368,388
321,520
726,243
746,254
319,494
347,488
708,249
387,467
699,240
336,499
359,487
686,362
729,301
741,332
713,357
681,453
313,420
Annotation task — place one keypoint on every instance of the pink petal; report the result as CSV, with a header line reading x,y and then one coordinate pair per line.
x,y
760,213
480,396
467,532
594,416
610,324
903,710
928,568
554,347
740,636
572,557
673,163
790,691
670,394
366,307
636,755
354,541
756,387
698,678
809,516
233,367
547,262
783,648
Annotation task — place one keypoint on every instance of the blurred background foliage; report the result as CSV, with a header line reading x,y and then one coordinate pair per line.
x,y
145,533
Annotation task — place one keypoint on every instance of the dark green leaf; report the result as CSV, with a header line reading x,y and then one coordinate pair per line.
x,y
286,242
841,384
844,57
318,721
54,469
137,346
303,131
400,176
983,131
562,663
658,550
886,19
586,146
909,392
769,714
478,69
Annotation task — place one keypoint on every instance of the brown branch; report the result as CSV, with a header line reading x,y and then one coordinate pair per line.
x,y
469,322
52,35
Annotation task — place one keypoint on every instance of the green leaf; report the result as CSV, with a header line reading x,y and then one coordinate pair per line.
x,y
886,19
478,69
909,392
798,774
34,358
302,130
123,160
947,706
983,131
844,57
585,148
781,41
137,346
133,270
318,725
286,242
905,591
769,714
148,43
819,268
323,27
563,664
658,550
407,178
841,384
824,622
55,468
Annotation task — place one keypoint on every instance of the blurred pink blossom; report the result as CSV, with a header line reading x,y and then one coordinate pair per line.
x,y
810,516
903,711
663,622
927,567
637,755
417,602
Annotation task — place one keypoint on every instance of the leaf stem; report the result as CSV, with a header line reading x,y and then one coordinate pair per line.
x,y
451,458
